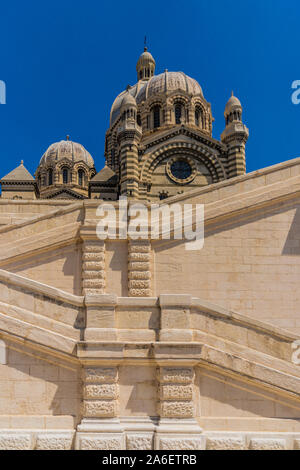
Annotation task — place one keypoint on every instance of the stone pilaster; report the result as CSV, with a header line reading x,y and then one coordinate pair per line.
x,y
139,268
100,427
100,392
93,267
178,428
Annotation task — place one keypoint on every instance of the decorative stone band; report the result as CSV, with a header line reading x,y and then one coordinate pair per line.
x,y
93,267
100,392
57,439
139,268
176,392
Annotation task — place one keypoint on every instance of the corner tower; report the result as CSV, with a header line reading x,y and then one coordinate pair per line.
x,y
235,136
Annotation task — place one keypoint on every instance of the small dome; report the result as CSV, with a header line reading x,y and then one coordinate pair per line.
x,y
128,100
116,107
69,150
233,102
145,59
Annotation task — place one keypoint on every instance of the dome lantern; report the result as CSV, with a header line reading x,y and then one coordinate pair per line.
x,y
145,66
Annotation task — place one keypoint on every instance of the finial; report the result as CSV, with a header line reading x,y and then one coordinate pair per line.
x,y
128,87
68,137
22,162
145,44
231,92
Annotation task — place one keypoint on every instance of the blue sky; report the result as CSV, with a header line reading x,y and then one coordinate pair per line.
x,y
65,61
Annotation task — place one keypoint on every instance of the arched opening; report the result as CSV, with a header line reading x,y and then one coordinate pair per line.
x,y
156,116
138,120
50,177
198,116
81,177
65,175
178,113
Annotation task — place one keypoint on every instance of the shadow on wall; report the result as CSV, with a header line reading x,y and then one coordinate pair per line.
x,y
223,396
292,243
38,387
59,268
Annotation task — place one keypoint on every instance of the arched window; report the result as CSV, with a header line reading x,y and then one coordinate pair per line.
x,y
50,176
178,113
138,120
81,177
156,116
198,116
65,174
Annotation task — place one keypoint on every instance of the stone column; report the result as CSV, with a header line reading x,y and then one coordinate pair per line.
x,y
178,428
139,268
93,267
100,428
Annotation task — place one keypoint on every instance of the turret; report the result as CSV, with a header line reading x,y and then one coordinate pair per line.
x,y
235,136
129,135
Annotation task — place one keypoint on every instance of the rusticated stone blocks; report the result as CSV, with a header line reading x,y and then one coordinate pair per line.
x,y
139,268
267,444
93,267
15,441
176,392
225,443
100,392
139,442
104,442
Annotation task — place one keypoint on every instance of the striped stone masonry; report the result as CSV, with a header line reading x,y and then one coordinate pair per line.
x,y
93,267
139,268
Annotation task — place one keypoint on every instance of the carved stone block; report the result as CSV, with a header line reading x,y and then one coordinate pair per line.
x,y
177,409
225,443
173,443
101,391
51,441
15,441
267,444
100,443
176,392
100,408
176,375
101,374
139,442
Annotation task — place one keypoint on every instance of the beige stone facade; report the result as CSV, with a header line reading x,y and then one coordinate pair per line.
x,y
142,344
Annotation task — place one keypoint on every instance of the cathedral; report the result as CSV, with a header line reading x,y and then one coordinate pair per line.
x,y
141,344
159,144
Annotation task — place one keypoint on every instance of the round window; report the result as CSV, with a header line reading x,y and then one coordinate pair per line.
x,y
181,169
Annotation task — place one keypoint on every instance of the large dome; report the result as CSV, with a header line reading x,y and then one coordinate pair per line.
x,y
69,150
166,82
